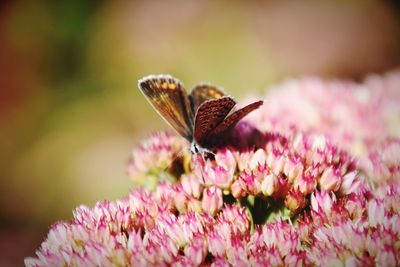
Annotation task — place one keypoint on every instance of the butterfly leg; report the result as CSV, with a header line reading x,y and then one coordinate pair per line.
x,y
201,167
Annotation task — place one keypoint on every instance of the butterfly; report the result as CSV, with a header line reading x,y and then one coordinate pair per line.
x,y
202,117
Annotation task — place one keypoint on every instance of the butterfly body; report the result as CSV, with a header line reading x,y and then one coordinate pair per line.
x,y
202,117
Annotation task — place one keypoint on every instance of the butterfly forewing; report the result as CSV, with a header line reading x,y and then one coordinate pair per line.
x,y
229,122
168,97
203,92
210,114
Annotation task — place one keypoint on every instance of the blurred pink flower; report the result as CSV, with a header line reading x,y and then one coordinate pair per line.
x,y
353,115
155,155
311,179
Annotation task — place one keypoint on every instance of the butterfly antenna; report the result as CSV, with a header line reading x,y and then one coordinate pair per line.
x,y
201,167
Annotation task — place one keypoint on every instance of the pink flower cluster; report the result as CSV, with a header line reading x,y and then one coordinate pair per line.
x,y
297,193
147,229
356,116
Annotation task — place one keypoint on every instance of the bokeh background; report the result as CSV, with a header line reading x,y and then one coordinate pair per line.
x,y
70,111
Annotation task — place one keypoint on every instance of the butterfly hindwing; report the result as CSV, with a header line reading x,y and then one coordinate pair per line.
x,y
169,98
229,122
210,114
203,92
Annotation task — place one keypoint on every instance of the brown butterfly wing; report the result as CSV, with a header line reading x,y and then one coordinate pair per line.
x,y
230,122
168,97
210,114
203,92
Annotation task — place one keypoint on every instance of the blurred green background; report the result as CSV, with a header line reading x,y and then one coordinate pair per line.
x,y
70,111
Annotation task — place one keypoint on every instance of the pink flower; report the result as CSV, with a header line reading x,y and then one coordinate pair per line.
x,y
387,257
212,200
295,201
350,183
322,201
250,183
216,244
330,179
155,154
312,179
237,217
191,185
226,159
196,251
293,168
305,183
269,184
170,225
376,212
217,175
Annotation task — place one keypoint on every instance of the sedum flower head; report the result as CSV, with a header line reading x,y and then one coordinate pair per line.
x,y
289,190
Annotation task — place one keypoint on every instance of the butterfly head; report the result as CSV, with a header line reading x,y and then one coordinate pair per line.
x,y
194,148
